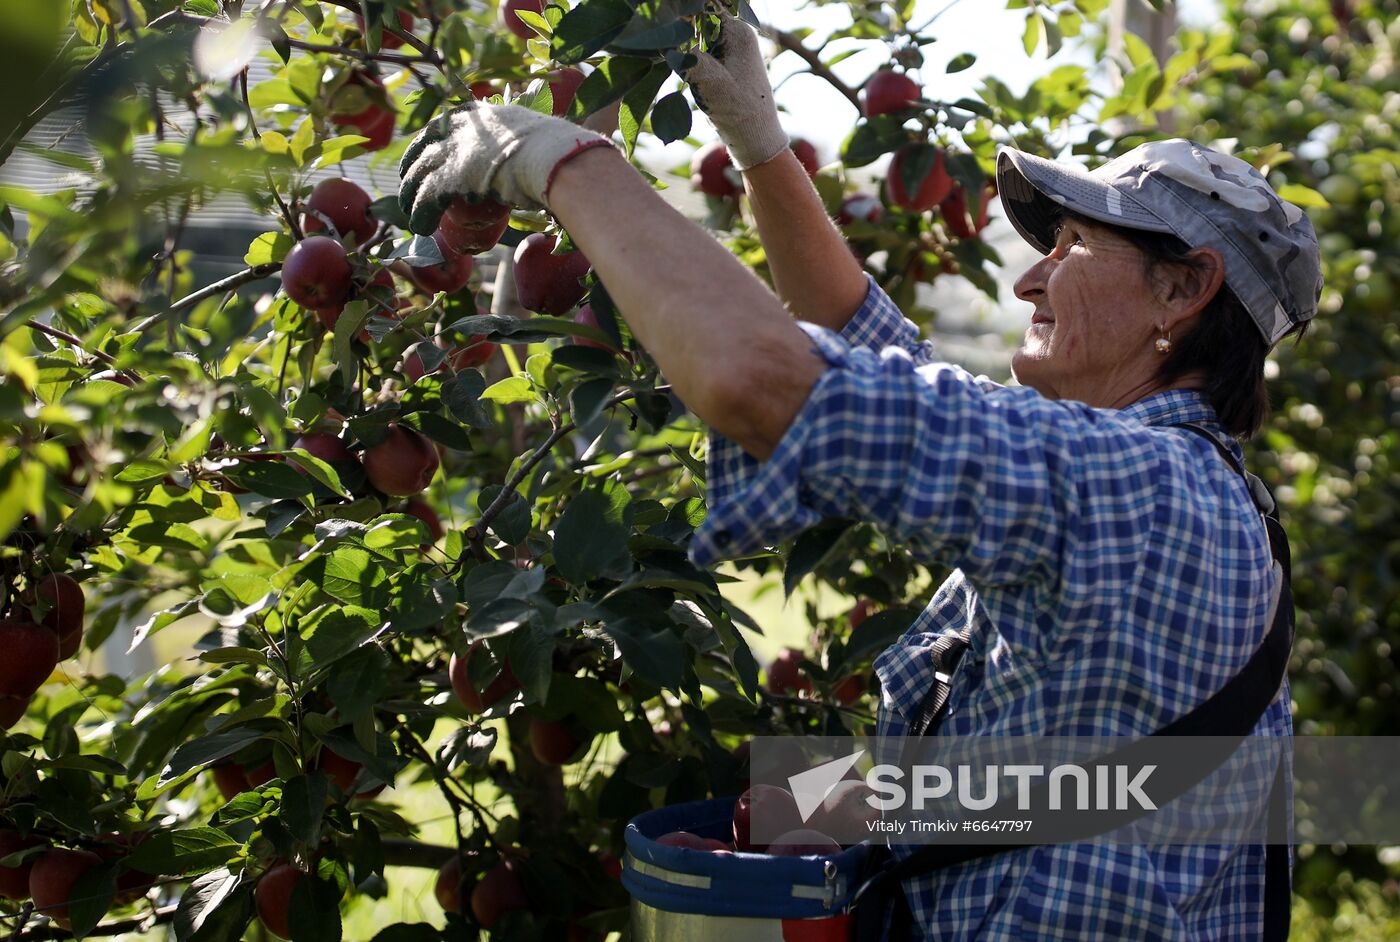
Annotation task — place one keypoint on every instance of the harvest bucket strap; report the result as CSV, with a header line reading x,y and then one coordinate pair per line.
x,y
879,904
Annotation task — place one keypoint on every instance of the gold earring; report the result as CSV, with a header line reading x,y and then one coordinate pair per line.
x,y
1164,342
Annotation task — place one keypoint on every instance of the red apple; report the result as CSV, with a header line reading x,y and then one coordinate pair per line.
x,y
450,275
482,90
447,887
585,316
403,464
845,810
552,743
500,891
230,779
479,702
476,352
956,216
423,511
801,842
563,86
470,228
345,205
14,881
849,689
610,864
785,676
888,91
329,448
259,775
934,188
350,109
388,40
514,23
343,772
52,878
545,282
274,898
378,126
65,616
379,303
694,842
806,155
317,273
773,808
12,710
30,656
860,612
713,173
860,206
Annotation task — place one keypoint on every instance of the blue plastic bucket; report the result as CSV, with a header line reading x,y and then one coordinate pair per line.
x,y
684,895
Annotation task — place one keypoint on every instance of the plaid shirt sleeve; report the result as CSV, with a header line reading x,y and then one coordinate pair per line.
x,y
987,480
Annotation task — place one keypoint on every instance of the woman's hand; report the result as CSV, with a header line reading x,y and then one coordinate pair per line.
x,y
731,87
503,152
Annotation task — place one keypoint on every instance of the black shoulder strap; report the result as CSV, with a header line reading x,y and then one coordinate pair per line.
x,y
1231,713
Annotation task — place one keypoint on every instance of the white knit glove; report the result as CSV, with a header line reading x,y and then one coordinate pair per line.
x,y
731,87
504,152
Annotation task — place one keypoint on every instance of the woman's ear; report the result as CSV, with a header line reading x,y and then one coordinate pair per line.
x,y
1187,288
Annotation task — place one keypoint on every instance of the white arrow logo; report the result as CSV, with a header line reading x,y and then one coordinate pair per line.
x,y
810,788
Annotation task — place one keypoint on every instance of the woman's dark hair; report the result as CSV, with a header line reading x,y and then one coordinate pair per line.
x,y
1225,347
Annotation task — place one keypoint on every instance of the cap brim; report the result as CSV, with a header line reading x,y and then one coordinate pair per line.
x,y
1036,192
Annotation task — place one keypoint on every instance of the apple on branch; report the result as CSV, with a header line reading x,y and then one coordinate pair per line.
x,y
403,464
317,273
713,173
478,702
934,187
887,92
546,282
500,891
345,205
514,23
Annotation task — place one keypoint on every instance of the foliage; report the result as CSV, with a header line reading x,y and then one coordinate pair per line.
x,y
151,432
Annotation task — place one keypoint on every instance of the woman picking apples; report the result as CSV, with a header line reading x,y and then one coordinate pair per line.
x,y
1112,571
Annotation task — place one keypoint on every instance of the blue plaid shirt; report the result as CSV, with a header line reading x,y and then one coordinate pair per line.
x,y
1114,574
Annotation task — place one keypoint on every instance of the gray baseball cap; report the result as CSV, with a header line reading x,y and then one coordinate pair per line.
x,y
1204,197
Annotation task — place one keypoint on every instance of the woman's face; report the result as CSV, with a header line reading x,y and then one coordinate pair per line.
x,y
1096,319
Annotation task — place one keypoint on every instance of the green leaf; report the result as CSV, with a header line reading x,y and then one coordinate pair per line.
x,y
670,119
637,102
334,631
92,896
873,139
591,538
656,654
358,681
513,523
499,617
270,478
1034,32
268,247
612,79
1303,196
587,28
188,852
961,63
587,399
315,911
409,932
462,396
206,750
809,549
217,907
511,389
303,803
876,633
919,161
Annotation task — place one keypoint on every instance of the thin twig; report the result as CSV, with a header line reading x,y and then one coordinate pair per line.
x,y
120,927
236,280
364,55
791,43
